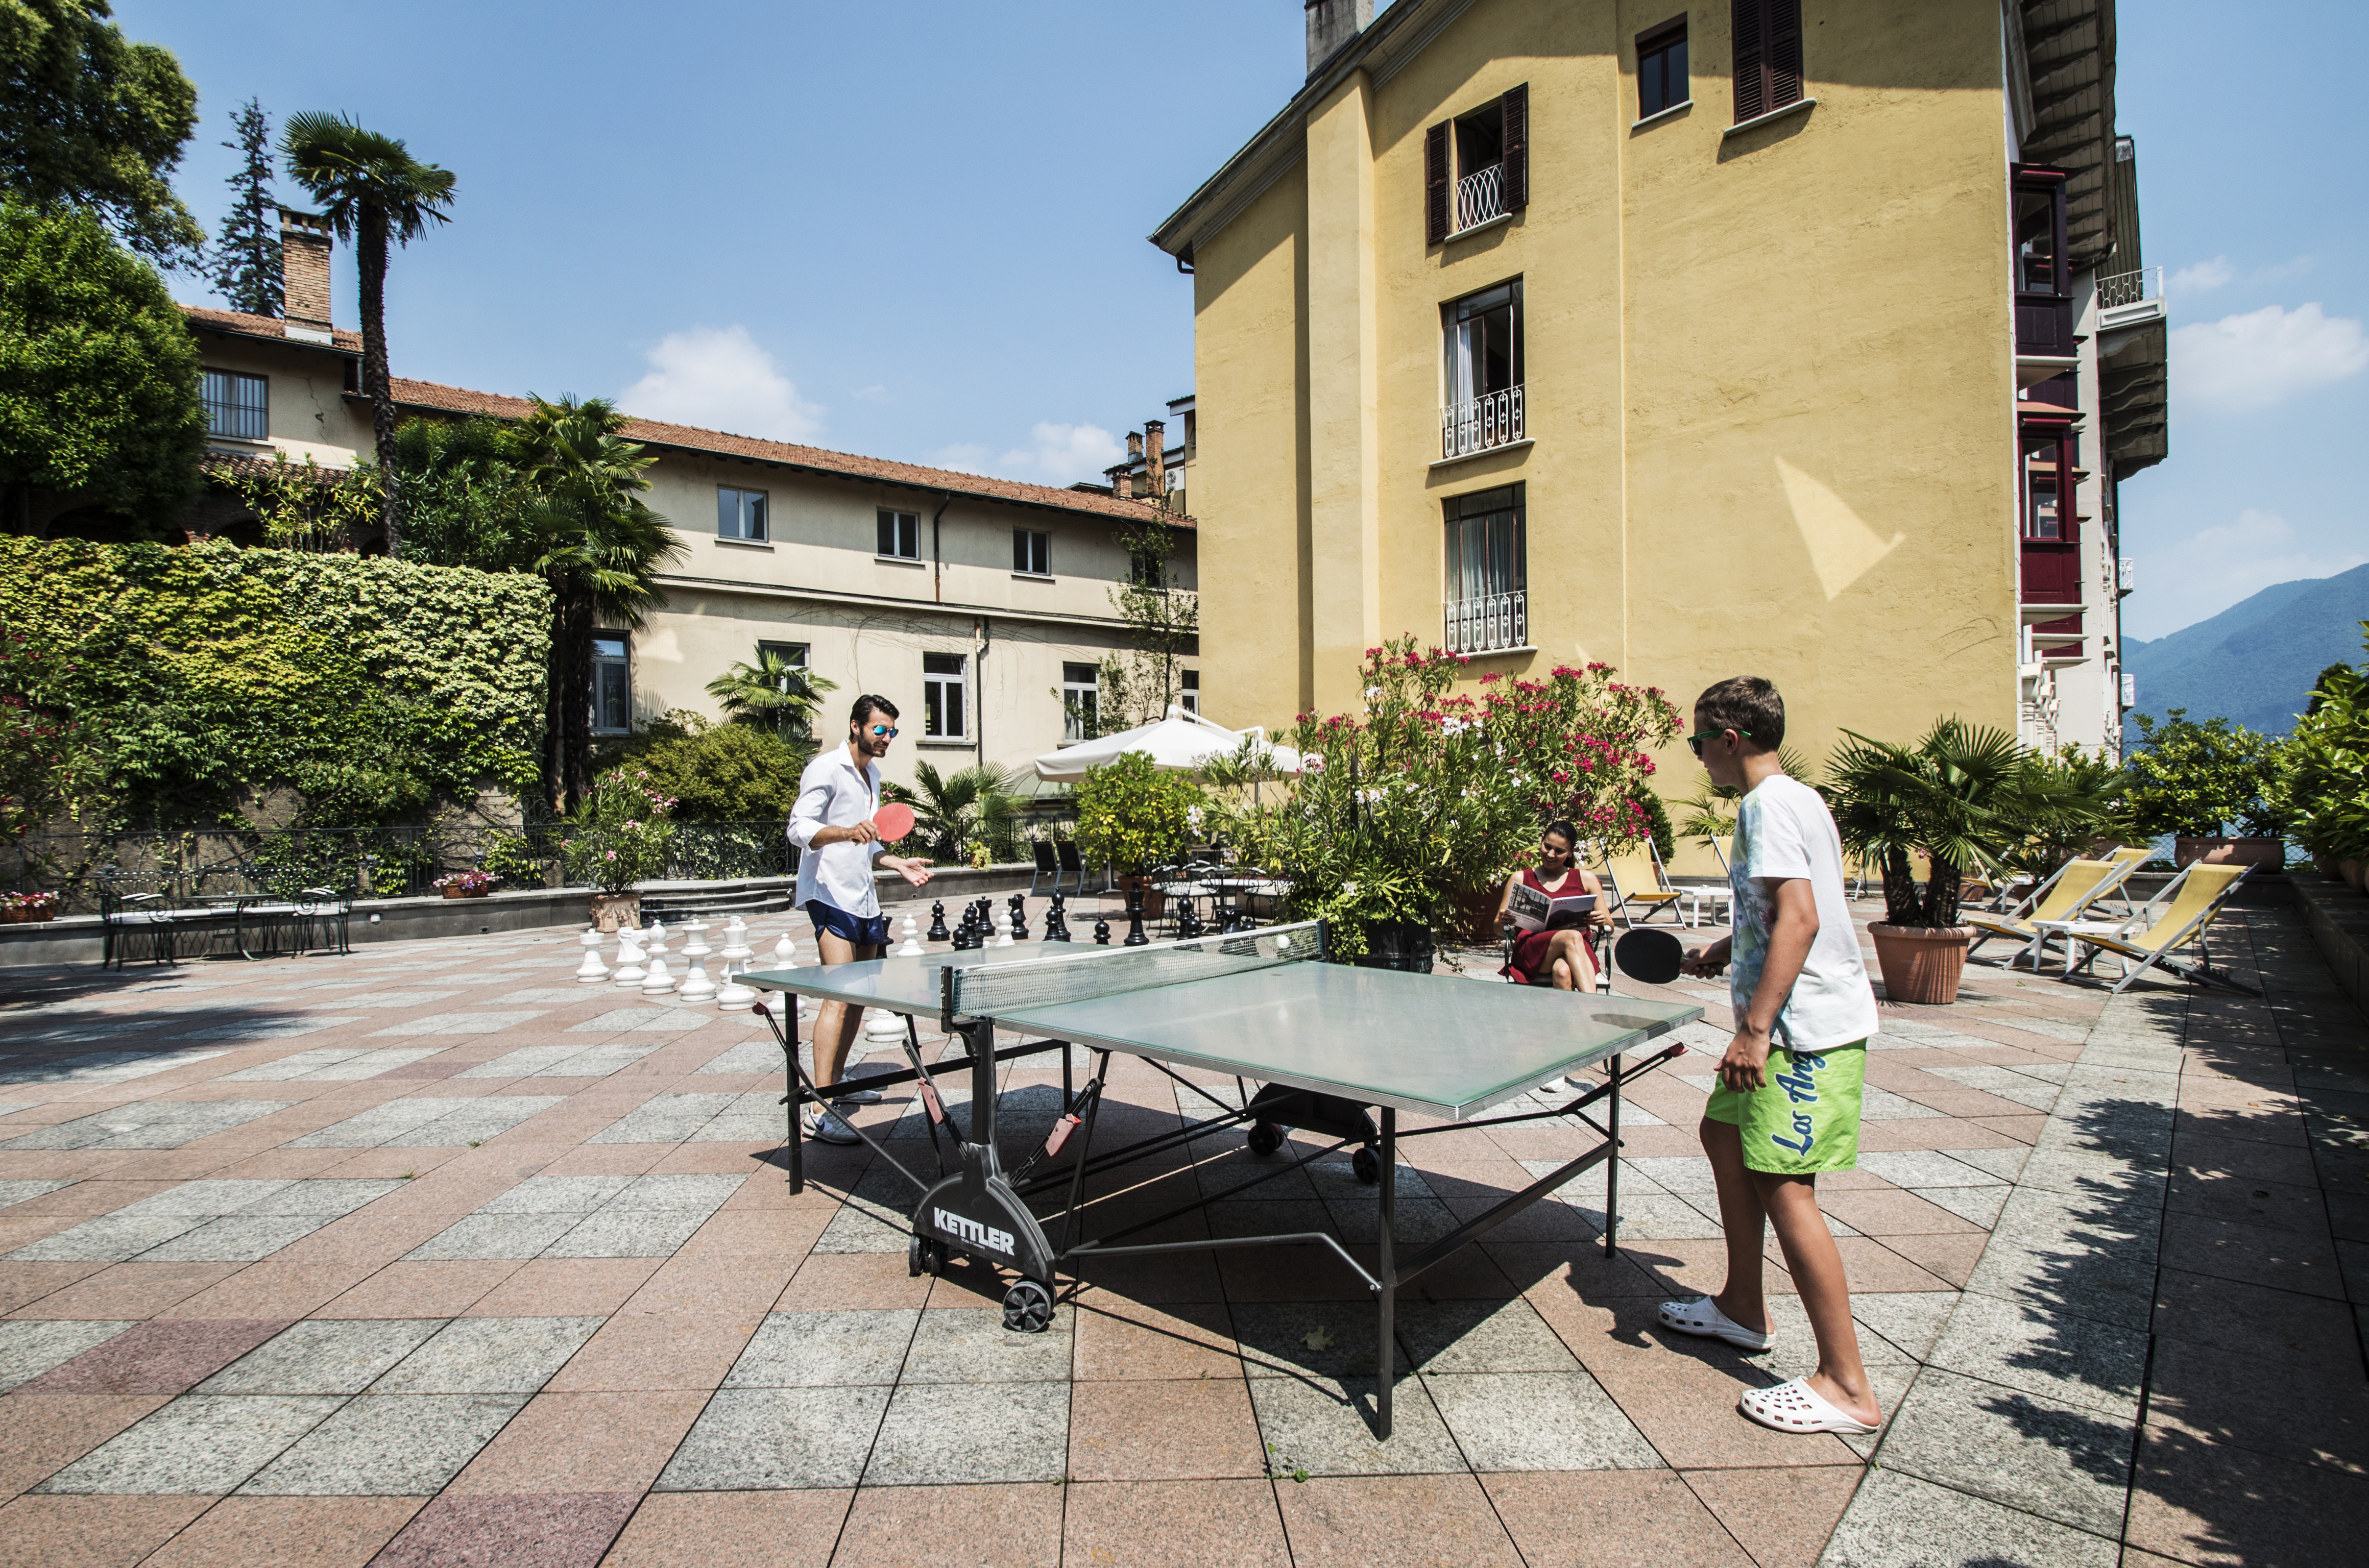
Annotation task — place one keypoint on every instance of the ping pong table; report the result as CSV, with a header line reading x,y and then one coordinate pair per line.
x,y
1329,1044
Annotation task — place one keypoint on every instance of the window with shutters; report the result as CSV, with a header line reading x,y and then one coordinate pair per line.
x,y
1768,57
1477,166
1662,69
2044,272
900,536
1482,396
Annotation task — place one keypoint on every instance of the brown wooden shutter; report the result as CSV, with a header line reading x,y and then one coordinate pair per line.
x,y
1784,70
1751,57
1435,179
1514,118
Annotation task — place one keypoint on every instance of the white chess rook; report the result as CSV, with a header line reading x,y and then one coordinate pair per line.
x,y
591,971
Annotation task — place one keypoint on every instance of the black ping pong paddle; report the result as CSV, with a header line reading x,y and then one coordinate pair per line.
x,y
1649,957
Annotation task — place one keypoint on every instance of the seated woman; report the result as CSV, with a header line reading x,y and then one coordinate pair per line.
x,y
1559,958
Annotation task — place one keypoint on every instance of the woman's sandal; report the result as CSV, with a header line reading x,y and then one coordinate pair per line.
x,y
1795,1407
1702,1318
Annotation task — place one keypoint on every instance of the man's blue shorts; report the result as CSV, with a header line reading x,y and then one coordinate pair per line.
x,y
858,930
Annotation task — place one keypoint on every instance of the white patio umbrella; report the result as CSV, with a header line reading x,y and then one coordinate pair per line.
x,y
1183,740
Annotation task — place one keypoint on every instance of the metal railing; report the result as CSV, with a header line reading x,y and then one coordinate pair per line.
x,y
371,863
1489,622
1480,195
2130,288
1495,418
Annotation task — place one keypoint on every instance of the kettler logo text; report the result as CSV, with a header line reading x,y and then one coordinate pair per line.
x,y
971,1231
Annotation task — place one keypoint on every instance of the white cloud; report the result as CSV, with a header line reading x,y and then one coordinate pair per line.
x,y
2283,272
721,381
1055,455
875,393
2214,568
963,457
2263,357
2202,278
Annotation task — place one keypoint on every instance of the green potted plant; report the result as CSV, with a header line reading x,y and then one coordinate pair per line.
x,y
617,836
1134,815
2325,789
2197,781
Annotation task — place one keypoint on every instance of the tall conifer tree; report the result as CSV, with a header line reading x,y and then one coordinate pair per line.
x,y
247,253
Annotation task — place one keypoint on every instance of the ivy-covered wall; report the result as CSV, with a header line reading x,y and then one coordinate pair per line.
x,y
209,674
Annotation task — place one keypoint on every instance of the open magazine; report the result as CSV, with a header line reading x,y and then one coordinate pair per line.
x,y
1533,911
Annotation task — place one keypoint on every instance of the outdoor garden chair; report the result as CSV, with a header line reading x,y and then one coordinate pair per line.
x,y
1073,866
139,911
1048,868
2067,896
2174,920
1635,877
311,911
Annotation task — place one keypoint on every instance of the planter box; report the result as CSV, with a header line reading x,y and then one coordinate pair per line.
x,y
28,916
1921,965
2267,853
466,892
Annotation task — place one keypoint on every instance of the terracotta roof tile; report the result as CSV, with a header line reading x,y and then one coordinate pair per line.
x,y
266,327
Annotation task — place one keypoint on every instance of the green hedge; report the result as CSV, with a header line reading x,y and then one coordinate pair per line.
x,y
204,673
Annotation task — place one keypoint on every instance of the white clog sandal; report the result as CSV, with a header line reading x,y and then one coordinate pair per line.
x,y
1794,1406
1702,1318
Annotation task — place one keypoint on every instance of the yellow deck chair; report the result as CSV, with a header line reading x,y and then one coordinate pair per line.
x,y
2182,913
2076,884
1634,876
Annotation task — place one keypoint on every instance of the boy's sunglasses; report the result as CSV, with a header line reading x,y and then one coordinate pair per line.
x,y
1695,742
890,731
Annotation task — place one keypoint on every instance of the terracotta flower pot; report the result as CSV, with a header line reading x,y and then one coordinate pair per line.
x,y
612,911
2268,853
1921,964
28,916
460,892
1154,902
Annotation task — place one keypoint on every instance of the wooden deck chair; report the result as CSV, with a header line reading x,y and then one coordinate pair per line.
x,y
2183,913
1635,876
2076,884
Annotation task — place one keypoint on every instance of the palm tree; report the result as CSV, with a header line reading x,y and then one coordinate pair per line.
x,y
373,191
953,810
601,547
771,693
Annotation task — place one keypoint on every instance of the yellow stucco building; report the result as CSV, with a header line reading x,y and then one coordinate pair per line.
x,y
1685,339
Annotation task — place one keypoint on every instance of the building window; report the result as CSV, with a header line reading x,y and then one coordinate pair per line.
x,y
1487,573
1482,400
238,406
1767,56
2051,460
740,514
941,695
1660,68
1477,166
1032,552
1081,701
900,535
612,691
1192,696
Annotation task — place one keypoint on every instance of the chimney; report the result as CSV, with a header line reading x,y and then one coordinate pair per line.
x,y
304,274
1155,460
1331,24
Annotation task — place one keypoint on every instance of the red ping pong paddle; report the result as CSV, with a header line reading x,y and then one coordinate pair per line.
x,y
893,820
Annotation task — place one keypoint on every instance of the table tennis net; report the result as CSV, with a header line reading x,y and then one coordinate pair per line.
x,y
995,991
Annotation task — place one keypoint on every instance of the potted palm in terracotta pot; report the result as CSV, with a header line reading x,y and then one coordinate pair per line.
x,y
1961,797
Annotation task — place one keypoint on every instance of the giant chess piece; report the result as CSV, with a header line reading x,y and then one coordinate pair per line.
x,y
1003,928
657,983
591,972
1056,928
1188,919
630,973
696,986
1102,932
938,931
732,996
911,947
1019,918
1135,937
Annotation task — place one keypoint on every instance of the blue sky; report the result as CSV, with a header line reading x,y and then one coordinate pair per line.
x,y
917,230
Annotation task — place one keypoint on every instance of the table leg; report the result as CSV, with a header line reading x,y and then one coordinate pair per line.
x,y
1612,1165
798,1133
1386,1354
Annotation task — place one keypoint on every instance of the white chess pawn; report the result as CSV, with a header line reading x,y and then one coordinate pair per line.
x,y
591,971
1003,928
657,983
912,945
630,973
696,986
883,1030
732,996
786,952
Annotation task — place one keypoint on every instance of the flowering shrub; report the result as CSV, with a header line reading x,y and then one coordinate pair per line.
x,y
27,903
1431,795
1133,814
468,881
619,833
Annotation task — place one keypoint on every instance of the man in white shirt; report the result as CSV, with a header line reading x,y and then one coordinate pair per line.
x,y
832,825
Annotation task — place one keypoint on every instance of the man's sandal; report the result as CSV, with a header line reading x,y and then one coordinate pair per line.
x,y
1795,1407
1702,1318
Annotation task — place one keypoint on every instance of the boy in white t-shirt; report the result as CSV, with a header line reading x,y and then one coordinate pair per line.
x,y
1787,1105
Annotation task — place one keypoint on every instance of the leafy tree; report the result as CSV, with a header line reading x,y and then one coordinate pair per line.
x,y
2325,789
729,773
98,374
376,194
1137,685
774,694
2200,778
464,495
303,506
247,251
954,811
92,121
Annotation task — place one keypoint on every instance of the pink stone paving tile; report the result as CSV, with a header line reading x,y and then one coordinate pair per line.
x,y
90,1532
1610,1518
2202,1503
1875,1265
1970,1104
1011,1526
24,1230
381,1165
1291,1273
636,1353
1196,1429
421,1290
1950,1258
728,1285
1408,1521
566,1287
48,1431
2024,1130
1123,1341
1697,1266
754,1235
273,1289
733,1530
84,1199
288,1532
1782,1517
832,1281
369,1237
1576,1268
157,1357
1164,1524
546,1531
1163,1278
606,1160
1932,1132
716,1159
278,1163
584,1443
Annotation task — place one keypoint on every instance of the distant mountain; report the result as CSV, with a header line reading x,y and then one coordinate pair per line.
x,y
2253,663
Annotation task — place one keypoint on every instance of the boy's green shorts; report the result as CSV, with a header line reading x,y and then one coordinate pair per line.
x,y
1806,1119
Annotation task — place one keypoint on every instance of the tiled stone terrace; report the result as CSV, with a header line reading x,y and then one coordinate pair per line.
x,y
427,1255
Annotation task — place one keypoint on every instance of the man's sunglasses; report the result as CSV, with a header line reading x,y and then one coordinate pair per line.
x,y
890,730
1695,742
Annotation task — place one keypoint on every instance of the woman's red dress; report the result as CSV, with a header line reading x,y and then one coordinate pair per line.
x,y
1530,947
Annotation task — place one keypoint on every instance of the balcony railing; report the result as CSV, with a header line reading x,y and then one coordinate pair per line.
x,y
1489,622
1480,196
2130,288
1492,419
